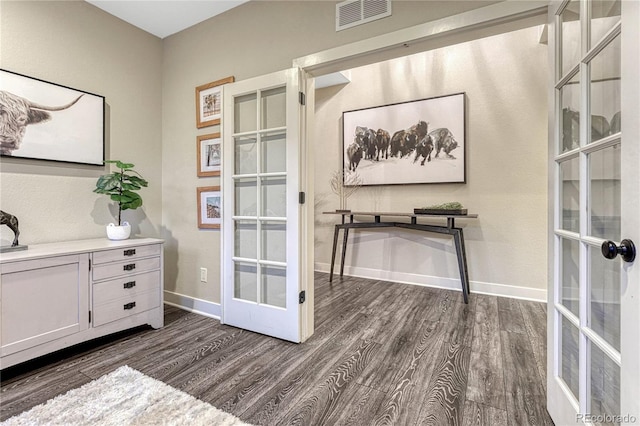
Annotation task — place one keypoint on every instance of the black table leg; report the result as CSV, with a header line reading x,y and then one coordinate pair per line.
x,y
457,238
344,250
333,253
464,260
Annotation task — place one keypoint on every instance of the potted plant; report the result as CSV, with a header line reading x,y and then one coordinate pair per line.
x,y
120,186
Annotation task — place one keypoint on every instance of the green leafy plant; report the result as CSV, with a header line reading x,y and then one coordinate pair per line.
x,y
120,186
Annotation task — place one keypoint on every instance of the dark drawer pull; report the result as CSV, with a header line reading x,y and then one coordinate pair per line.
x,y
130,284
130,305
129,267
130,252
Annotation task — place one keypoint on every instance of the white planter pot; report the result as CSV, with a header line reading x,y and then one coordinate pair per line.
x,y
115,232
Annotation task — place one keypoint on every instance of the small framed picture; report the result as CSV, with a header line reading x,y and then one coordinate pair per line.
x,y
209,154
209,102
209,207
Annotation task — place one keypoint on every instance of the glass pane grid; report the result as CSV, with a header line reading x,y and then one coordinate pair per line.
x,y
273,286
245,197
570,276
603,386
245,154
569,194
605,14
245,239
569,355
570,114
605,188
245,113
246,282
605,91
260,201
274,152
570,36
273,108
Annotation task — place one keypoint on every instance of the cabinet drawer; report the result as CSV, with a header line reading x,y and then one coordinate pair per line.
x,y
126,253
125,287
124,307
118,269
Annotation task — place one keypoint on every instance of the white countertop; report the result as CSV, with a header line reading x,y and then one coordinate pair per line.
x,y
38,251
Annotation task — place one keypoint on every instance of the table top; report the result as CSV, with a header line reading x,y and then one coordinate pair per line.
x,y
400,214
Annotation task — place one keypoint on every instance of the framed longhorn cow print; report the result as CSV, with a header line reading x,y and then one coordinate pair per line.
x,y
47,121
422,141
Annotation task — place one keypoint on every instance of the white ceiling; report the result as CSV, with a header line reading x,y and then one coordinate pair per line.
x,y
165,17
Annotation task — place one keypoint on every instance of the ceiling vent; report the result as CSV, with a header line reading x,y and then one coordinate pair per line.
x,y
351,13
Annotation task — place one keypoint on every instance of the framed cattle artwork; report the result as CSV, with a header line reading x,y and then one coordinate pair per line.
x,y
209,102
421,141
47,121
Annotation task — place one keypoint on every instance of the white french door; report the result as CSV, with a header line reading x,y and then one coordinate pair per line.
x,y
265,272
593,373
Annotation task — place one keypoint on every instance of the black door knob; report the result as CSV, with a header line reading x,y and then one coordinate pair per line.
x,y
626,249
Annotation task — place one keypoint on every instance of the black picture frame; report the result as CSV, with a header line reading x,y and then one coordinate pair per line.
x,y
48,121
413,142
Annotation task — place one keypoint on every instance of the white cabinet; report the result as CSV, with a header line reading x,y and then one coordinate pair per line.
x,y
33,313
57,295
122,288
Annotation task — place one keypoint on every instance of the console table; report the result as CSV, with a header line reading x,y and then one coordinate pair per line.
x,y
59,294
449,229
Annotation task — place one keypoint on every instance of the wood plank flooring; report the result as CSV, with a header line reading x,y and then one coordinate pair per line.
x,y
382,354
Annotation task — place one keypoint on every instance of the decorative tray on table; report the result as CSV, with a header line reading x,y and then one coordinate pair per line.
x,y
453,208
440,211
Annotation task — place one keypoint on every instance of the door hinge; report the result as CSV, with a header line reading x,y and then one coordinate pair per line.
x,y
89,317
89,264
301,197
302,297
302,98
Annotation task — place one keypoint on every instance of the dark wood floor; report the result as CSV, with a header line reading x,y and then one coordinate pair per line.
x,y
382,353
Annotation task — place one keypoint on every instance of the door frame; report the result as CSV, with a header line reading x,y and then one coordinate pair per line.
x,y
498,18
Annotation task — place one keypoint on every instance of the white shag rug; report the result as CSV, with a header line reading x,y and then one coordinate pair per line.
x,y
124,397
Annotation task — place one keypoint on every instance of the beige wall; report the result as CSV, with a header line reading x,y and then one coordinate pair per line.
x,y
253,39
504,78
77,45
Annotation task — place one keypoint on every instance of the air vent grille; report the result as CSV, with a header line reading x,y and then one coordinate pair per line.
x,y
351,13
374,8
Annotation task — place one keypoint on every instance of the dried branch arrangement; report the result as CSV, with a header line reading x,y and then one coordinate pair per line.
x,y
344,184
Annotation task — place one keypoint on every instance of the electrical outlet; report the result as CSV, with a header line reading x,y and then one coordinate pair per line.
x,y
203,275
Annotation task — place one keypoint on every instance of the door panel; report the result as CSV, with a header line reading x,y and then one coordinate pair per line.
x,y
262,233
593,327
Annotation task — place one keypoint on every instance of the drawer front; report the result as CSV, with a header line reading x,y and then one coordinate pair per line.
x,y
127,286
118,269
126,253
124,307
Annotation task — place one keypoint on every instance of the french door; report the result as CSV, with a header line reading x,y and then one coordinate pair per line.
x,y
265,273
593,373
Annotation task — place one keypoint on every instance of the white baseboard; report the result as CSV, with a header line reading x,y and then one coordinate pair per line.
x,y
494,289
192,304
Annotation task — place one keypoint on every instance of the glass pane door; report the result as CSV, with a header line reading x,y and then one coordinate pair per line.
x,y
586,380
261,237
